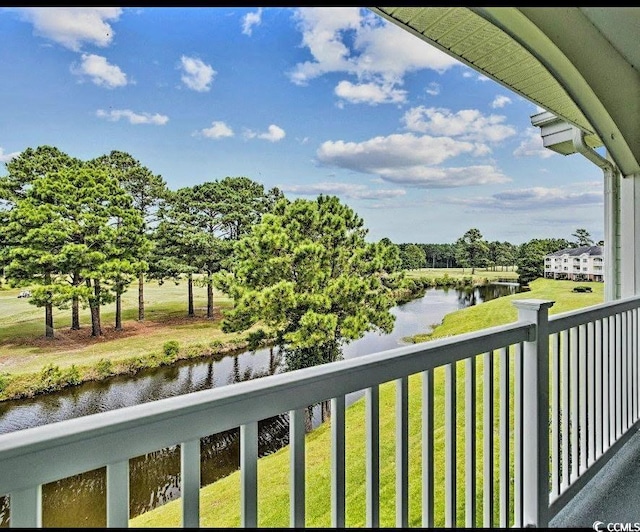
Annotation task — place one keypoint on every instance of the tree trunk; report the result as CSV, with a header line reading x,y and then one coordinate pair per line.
x,y
48,311
141,297
75,314
119,310
326,410
94,305
190,290
48,319
209,298
75,306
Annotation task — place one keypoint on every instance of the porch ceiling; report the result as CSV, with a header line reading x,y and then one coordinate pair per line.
x,y
581,64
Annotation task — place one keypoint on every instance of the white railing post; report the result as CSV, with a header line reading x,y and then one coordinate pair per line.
x,y
535,413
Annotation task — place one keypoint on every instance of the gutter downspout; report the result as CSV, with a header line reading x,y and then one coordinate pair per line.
x,y
611,215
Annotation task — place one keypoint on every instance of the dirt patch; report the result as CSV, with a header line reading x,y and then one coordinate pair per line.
x,y
68,339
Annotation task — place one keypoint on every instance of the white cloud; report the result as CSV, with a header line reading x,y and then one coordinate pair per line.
x,y
6,157
73,26
532,146
500,101
433,88
446,177
217,130
539,198
134,118
273,134
347,190
363,45
468,124
197,75
409,159
101,73
250,20
397,149
371,93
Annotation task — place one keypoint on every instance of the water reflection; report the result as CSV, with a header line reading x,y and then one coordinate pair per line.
x,y
155,477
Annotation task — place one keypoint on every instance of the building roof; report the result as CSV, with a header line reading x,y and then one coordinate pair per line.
x,y
576,252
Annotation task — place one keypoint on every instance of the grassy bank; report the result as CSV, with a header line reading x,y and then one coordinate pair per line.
x,y
220,501
30,363
500,310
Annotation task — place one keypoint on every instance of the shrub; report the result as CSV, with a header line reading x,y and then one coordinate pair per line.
x,y
104,367
581,288
4,381
50,377
71,377
215,344
170,350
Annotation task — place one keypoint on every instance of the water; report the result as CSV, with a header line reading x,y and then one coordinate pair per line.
x,y
155,476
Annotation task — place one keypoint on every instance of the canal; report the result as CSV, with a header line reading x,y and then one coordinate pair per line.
x,y
155,477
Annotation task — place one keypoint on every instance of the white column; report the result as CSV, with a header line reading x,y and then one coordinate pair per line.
x,y
629,236
611,234
535,411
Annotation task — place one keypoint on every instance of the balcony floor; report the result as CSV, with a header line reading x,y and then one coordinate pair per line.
x,y
612,495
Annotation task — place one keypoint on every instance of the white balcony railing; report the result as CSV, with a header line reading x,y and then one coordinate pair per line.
x,y
560,395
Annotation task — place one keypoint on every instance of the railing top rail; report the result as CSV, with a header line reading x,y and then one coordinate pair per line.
x,y
566,320
38,455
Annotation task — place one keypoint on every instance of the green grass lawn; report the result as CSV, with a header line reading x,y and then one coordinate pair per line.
x,y
24,348
220,501
480,274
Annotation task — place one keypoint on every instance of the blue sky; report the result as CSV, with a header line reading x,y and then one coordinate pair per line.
x,y
421,146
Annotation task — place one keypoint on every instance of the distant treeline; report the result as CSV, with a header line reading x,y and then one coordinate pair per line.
x,y
472,251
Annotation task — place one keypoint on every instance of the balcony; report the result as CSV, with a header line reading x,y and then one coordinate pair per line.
x,y
561,395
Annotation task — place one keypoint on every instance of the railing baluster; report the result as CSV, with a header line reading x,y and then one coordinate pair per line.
x,y
427,449
623,372
618,373
450,446
555,416
26,508
504,437
628,371
575,397
632,368
599,387
297,467
470,442
337,462
582,387
613,379
487,439
566,411
373,456
118,494
591,407
190,481
517,439
607,394
634,351
402,452
249,474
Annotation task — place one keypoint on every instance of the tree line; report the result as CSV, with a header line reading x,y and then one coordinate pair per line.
x,y
84,231
473,251
81,232
301,272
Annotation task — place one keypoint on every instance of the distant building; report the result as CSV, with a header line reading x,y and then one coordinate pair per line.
x,y
577,264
